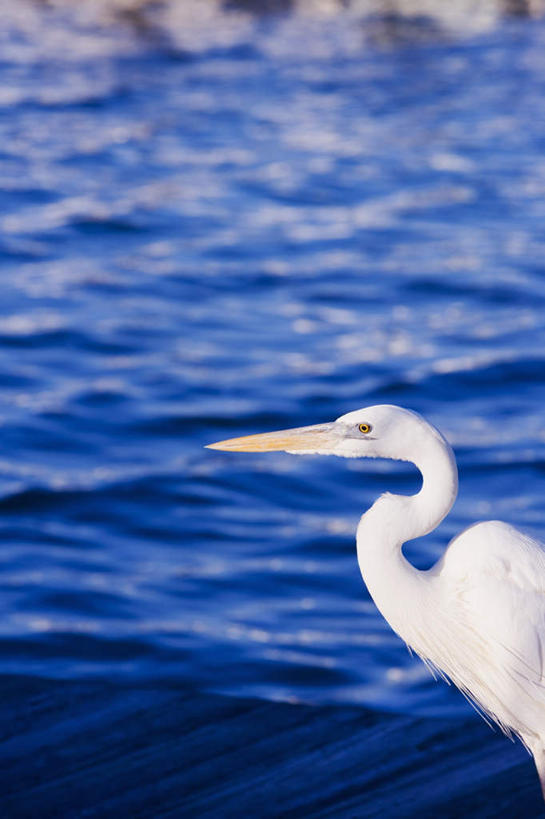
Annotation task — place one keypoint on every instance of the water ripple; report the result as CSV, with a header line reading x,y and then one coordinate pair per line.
x,y
246,225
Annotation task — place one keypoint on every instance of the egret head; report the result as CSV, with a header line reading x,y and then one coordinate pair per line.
x,y
382,431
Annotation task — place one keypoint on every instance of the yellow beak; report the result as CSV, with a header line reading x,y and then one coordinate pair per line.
x,y
302,439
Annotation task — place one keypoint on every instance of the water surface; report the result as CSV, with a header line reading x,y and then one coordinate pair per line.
x,y
262,228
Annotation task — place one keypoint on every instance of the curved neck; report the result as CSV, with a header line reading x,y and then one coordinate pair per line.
x,y
394,584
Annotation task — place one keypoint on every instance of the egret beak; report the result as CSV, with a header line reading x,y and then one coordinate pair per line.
x,y
302,439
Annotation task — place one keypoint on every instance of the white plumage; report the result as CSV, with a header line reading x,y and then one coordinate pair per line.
x,y
478,615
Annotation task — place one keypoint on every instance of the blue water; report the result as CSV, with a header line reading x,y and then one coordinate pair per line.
x,y
264,223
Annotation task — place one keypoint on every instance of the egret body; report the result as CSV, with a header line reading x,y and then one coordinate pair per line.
x,y
478,615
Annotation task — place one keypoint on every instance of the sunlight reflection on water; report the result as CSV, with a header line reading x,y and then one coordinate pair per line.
x,y
229,228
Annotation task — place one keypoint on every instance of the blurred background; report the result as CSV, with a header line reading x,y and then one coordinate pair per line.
x,y
221,218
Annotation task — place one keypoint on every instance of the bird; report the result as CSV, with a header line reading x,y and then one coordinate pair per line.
x,y
477,616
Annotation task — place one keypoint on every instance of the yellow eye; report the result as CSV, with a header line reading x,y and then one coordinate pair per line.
x,y
365,428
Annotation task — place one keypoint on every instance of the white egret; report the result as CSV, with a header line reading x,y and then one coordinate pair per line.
x,y
478,615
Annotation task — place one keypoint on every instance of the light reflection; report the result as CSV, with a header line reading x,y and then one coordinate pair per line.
x,y
356,227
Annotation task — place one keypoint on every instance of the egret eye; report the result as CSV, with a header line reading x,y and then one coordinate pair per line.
x,y
365,428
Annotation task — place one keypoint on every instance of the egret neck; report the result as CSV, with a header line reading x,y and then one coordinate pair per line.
x,y
399,590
